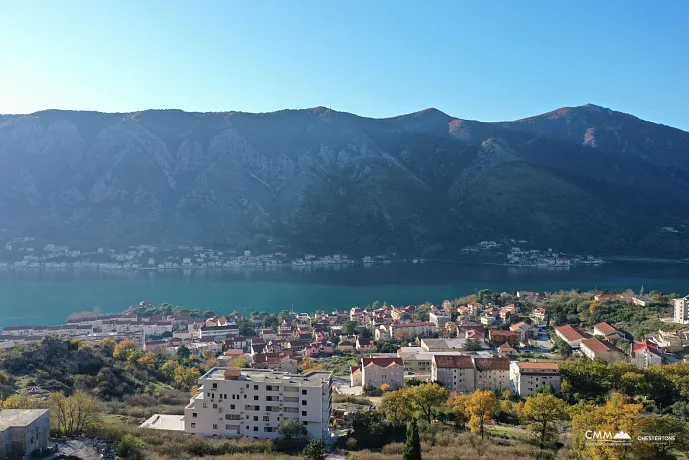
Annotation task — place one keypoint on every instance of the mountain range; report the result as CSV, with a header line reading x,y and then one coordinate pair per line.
x,y
581,179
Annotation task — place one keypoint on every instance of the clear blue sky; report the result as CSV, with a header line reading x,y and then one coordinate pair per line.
x,y
485,60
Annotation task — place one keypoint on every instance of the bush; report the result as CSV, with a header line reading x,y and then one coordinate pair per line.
x,y
130,448
351,443
352,400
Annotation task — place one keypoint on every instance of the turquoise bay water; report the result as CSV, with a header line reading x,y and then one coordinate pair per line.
x,y
49,296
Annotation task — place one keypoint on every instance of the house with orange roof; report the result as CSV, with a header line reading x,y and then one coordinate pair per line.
x,y
379,370
646,353
505,350
524,331
593,348
570,335
527,377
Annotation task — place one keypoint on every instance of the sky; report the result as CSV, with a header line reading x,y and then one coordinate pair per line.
x,y
482,60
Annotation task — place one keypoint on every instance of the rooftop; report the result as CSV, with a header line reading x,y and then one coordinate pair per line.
x,y
595,345
570,333
454,362
313,378
604,327
164,422
19,417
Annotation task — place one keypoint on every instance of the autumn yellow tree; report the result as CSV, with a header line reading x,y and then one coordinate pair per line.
x,y
480,408
457,404
186,377
123,349
240,362
541,413
385,387
148,360
619,414
108,346
73,415
310,364
208,354
169,368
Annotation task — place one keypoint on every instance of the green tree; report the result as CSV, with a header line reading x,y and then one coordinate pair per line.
x,y
412,442
183,353
314,450
428,399
541,413
108,346
292,428
73,415
664,426
472,345
130,448
349,327
134,356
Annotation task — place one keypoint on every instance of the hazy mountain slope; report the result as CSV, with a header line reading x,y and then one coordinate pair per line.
x,y
583,178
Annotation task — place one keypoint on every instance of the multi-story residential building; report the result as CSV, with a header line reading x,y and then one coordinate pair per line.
x,y
157,327
593,348
377,370
439,318
670,341
24,433
570,335
364,344
219,331
253,403
524,331
527,377
498,337
454,372
681,310
414,329
492,373
646,353
382,333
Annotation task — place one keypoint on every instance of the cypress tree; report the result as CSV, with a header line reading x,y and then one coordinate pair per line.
x,y
412,443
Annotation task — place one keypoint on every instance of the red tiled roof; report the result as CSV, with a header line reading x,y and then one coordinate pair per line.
x,y
498,332
506,347
453,362
517,326
492,364
570,333
381,361
604,327
356,369
645,345
595,345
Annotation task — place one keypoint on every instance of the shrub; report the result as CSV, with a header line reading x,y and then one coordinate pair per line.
x,y
130,448
351,443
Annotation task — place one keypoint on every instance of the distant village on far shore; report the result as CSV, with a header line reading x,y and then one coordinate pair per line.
x,y
22,253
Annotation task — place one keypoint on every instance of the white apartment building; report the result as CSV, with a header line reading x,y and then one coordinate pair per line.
x,y
439,318
413,329
681,310
253,403
527,377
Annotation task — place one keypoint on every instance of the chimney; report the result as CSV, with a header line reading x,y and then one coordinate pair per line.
x,y
232,373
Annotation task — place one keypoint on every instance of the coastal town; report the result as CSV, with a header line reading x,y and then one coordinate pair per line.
x,y
491,341
19,253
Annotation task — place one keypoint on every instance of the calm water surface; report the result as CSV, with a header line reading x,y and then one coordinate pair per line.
x,y
49,296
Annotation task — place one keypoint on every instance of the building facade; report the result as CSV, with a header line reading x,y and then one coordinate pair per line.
x,y
527,377
454,372
681,310
24,432
379,370
253,403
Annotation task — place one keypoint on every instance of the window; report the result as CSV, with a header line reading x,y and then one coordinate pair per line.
x,y
193,425
255,397
268,429
303,403
215,426
215,386
266,418
304,391
231,406
205,405
255,387
305,423
215,406
303,413
255,428
255,418
194,415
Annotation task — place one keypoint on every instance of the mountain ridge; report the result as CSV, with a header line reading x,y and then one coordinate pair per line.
x,y
583,178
